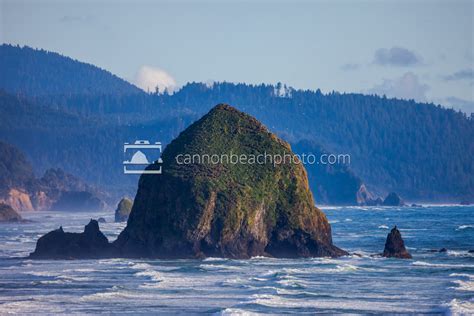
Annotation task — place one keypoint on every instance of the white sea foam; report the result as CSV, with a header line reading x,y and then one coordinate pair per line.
x,y
42,273
464,285
211,259
139,266
238,312
154,275
458,307
29,307
217,267
383,227
442,265
460,253
462,227
343,304
471,276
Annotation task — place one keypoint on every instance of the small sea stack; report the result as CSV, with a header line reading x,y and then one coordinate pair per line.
x,y
394,246
58,244
124,208
8,214
393,199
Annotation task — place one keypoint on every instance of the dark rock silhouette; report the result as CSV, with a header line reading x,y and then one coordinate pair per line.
x,y
60,245
123,210
8,214
443,250
393,199
394,246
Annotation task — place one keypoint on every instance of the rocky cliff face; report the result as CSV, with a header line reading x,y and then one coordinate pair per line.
x,y
57,189
8,214
230,210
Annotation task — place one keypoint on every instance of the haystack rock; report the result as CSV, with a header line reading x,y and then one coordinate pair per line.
x,y
394,246
197,209
226,210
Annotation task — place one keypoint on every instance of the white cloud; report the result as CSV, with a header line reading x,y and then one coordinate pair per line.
x,y
407,86
150,78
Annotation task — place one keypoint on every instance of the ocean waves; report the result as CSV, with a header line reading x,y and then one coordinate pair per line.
x,y
432,283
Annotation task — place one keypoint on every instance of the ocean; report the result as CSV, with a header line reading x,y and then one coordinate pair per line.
x,y
432,282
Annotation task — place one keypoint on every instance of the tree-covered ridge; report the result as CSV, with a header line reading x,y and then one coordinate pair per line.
x,y
420,150
39,73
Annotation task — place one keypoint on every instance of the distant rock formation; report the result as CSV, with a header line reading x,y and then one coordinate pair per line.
x,y
8,214
363,196
393,199
123,210
394,246
332,184
60,245
74,201
19,199
23,192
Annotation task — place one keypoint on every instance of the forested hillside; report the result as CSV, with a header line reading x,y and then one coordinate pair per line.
x,y
422,151
39,73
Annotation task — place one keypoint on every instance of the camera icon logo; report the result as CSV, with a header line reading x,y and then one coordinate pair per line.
x,y
138,153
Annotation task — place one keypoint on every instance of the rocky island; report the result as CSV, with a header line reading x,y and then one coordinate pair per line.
x,y
196,210
8,214
123,210
395,246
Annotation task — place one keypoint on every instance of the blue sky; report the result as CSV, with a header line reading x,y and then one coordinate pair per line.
x,y
417,49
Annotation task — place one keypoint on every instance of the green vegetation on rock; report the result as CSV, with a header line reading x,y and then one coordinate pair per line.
x,y
227,209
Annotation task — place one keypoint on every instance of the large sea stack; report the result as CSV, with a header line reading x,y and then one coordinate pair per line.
x,y
197,209
226,210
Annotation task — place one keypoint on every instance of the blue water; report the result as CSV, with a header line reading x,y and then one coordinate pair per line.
x,y
429,283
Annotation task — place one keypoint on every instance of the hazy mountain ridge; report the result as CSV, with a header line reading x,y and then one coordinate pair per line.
x,y
23,191
419,150
69,76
